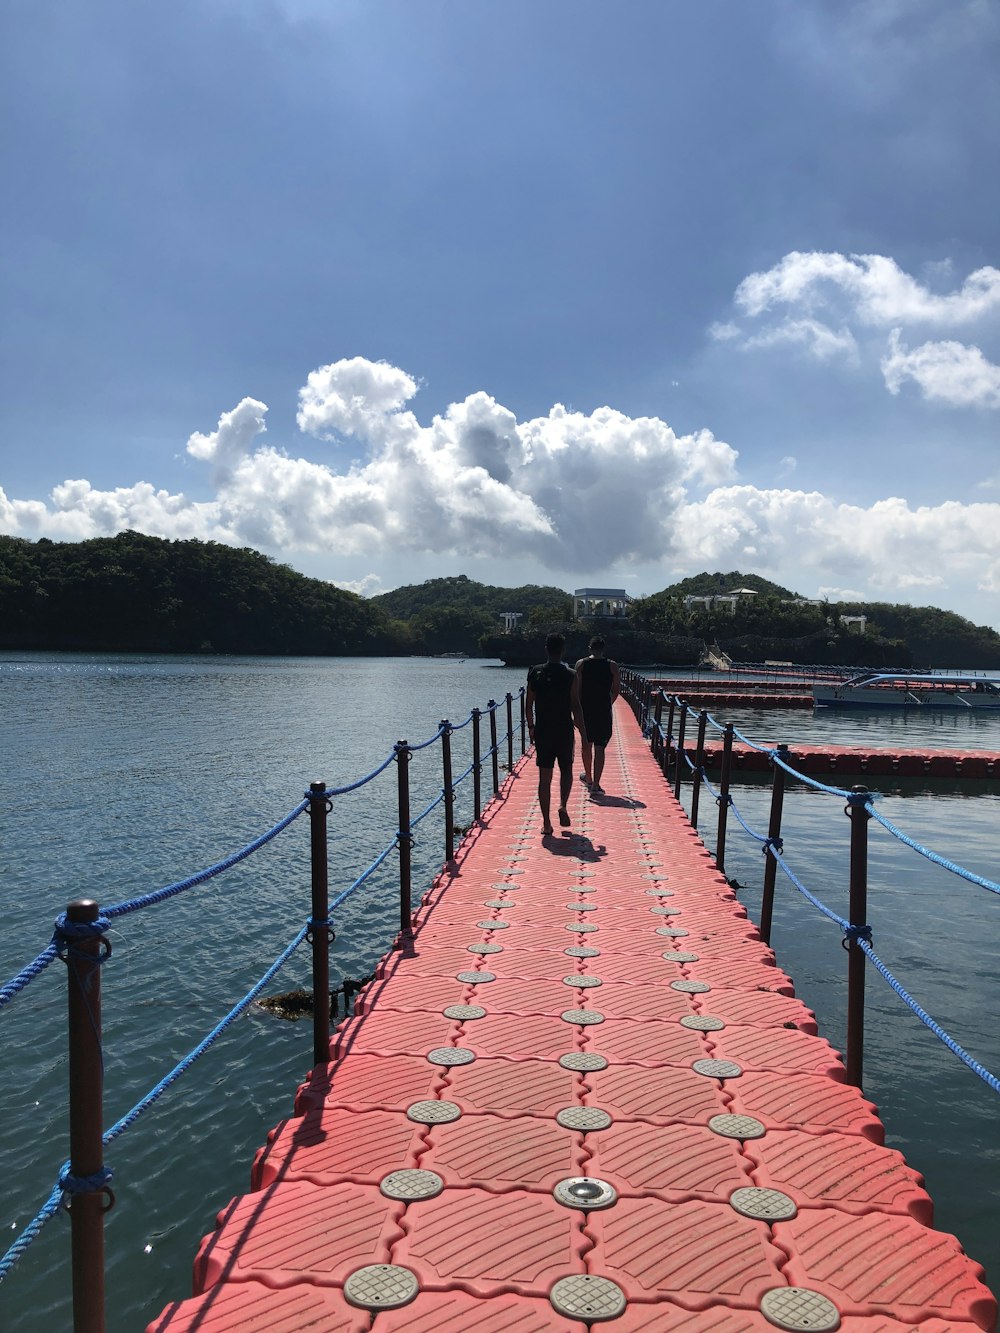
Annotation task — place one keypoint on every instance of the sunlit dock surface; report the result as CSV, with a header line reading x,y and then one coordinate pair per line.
x,y
583,1094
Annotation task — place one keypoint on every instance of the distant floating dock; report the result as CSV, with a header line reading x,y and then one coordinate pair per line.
x,y
582,1095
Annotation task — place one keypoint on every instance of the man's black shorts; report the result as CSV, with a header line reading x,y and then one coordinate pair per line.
x,y
552,749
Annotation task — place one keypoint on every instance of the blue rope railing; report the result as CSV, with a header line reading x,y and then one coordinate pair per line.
x,y
66,1183
858,933
62,946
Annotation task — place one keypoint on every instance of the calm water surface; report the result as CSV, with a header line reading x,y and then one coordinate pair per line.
x,y
122,774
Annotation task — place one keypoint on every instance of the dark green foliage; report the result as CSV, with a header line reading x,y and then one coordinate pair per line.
x,y
462,593
622,645
935,638
133,593
706,585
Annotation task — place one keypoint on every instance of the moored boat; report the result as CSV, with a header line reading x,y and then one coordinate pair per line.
x,y
911,690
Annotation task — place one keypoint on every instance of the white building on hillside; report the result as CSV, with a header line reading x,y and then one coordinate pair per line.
x,y
600,602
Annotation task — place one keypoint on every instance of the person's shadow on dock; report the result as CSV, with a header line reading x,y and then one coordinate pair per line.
x,y
622,802
577,845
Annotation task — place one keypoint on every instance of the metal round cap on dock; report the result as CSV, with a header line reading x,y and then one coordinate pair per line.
x,y
475,978
679,956
588,1298
583,1118
463,1012
433,1112
451,1055
690,987
581,907
582,980
499,903
381,1287
581,927
702,1023
584,1016
493,925
799,1310
583,1062
411,1184
484,948
763,1204
675,932
658,893
585,1192
582,951
737,1127
665,911
718,1068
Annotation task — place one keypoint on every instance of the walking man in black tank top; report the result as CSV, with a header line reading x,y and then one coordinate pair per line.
x,y
551,708
598,682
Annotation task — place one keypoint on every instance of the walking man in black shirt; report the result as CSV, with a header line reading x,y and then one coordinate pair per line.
x,y
598,683
551,708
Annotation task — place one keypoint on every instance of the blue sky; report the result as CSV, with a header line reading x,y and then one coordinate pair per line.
x,y
559,292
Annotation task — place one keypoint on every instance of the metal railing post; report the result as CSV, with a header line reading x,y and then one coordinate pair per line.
x,y
404,836
699,760
492,705
477,765
727,768
524,727
774,837
679,753
319,930
859,815
449,791
668,748
510,732
84,956
658,733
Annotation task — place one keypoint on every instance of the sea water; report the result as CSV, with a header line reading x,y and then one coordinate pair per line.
x,y
122,774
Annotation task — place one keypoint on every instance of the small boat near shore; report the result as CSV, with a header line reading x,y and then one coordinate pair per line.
x,y
911,690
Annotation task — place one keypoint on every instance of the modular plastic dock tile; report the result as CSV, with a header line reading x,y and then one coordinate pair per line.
x,y
528,965
494,1154
882,1264
409,993
491,1243
695,1253
777,1048
788,1100
250,1307
338,1143
522,1035
648,1043
740,976
674,1162
670,1095
298,1232
758,1009
515,1087
521,995
393,1032
390,1081
665,1317
458,1312
841,1171
641,1002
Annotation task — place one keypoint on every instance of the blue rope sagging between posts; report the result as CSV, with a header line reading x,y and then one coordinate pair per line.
x,y
66,932
933,856
860,934
67,1183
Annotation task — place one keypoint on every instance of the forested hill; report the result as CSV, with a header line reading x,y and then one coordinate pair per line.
x,y
133,593
465,594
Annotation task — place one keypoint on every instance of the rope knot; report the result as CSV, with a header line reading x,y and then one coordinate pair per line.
x,y
854,933
771,843
68,933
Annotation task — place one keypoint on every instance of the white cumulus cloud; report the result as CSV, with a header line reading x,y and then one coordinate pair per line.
x,y
877,289
949,372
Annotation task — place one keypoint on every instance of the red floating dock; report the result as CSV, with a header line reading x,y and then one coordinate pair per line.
x,y
583,1094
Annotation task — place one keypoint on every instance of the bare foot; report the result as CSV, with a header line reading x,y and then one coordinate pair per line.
x,y
563,816
547,830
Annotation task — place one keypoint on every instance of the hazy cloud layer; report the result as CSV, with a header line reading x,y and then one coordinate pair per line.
x,y
831,307
577,494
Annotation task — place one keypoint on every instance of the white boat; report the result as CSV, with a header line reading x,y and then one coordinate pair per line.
x,y
912,690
